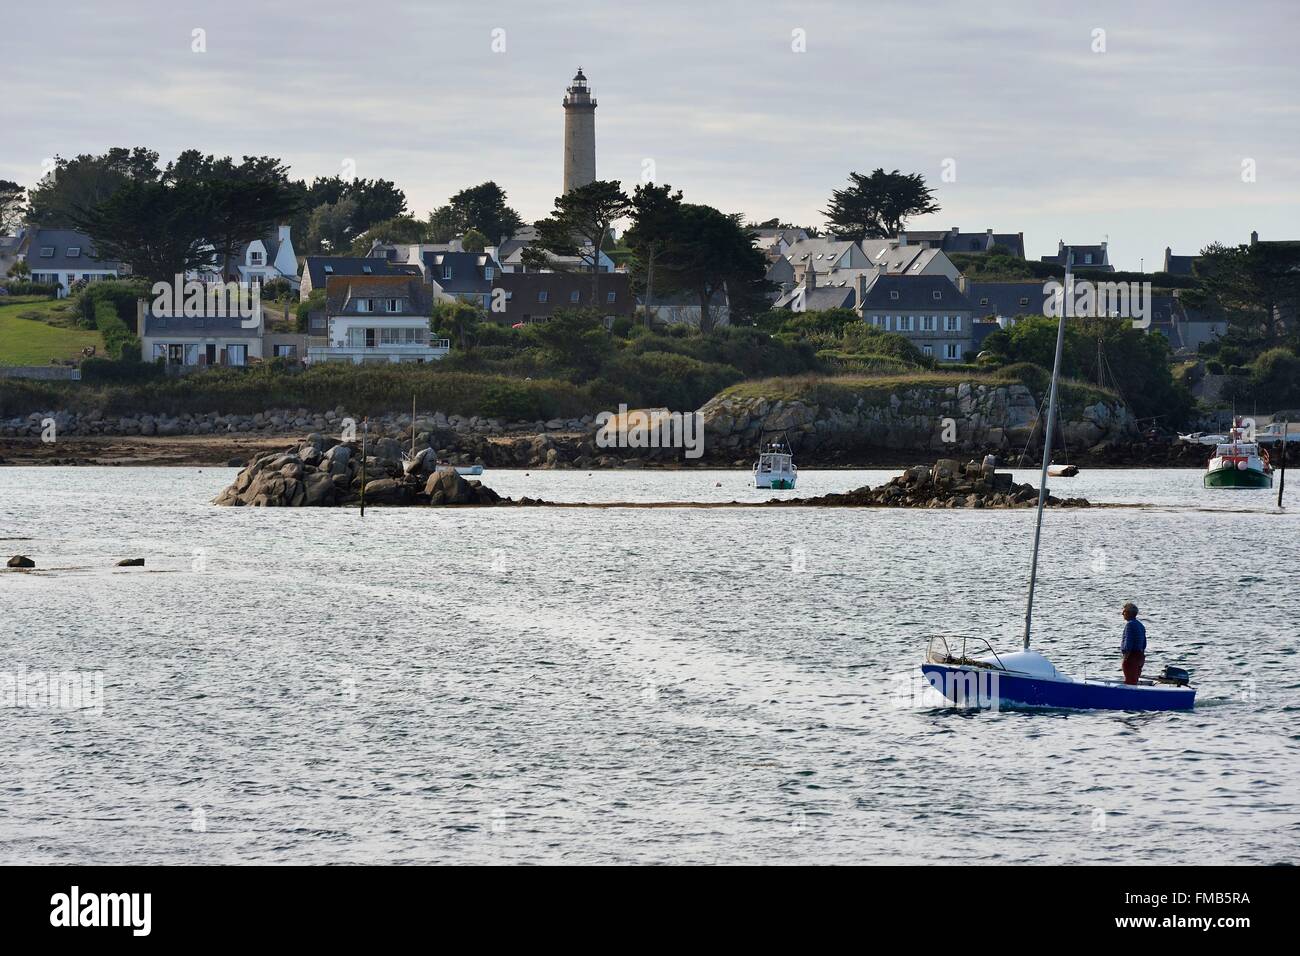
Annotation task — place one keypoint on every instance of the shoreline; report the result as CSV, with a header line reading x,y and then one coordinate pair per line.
x,y
209,451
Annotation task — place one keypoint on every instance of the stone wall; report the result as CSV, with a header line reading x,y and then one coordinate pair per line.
x,y
982,418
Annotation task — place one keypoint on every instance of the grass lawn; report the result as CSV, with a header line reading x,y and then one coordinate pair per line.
x,y
35,341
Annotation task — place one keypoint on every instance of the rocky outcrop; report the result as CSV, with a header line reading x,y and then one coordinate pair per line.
x,y
21,561
946,484
966,418
324,472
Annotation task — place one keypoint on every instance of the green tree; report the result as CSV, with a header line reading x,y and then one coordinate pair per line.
x,y
156,227
656,212
330,227
443,225
13,209
483,208
877,206
580,226
400,230
712,252
78,184
240,200
473,241
573,339
1275,376
457,321
1257,286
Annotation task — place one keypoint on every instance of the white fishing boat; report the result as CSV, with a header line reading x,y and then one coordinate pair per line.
x,y
1026,678
775,467
1238,463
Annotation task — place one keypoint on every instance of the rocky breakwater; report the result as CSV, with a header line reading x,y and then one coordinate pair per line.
x,y
946,484
844,421
324,472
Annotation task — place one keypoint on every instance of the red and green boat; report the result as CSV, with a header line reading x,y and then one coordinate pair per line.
x,y
1238,463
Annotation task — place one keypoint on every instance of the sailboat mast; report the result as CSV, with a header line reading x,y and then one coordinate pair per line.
x,y
1067,296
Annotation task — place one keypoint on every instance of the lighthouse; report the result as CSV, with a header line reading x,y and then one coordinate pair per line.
x,y
579,134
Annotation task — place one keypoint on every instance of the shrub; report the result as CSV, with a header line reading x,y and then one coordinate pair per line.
x,y
1214,367
107,370
119,341
47,289
1034,377
312,303
1276,377
274,289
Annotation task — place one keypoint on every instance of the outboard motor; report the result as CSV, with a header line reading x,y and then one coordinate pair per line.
x,y
1174,675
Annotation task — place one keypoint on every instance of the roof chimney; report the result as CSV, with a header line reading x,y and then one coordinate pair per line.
x,y
1254,237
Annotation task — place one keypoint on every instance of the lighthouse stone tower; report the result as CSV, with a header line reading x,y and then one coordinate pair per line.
x,y
579,134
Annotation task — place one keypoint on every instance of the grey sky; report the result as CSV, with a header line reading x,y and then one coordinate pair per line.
x,y
1142,144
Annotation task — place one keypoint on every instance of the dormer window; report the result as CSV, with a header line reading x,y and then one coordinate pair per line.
x,y
1024,300
446,272
936,295
893,294
47,252
365,305
255,258
394,305
984,300
74,252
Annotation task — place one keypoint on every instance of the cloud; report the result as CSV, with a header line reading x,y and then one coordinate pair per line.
x,y
1142,143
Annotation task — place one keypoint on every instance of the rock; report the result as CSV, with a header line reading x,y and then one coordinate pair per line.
x,y
131,563
385,491
21,561
235,463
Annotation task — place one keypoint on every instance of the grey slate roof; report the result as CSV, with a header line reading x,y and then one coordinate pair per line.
x,y
820,253
915,294
60,241
1007,299
467,271
821,298
352,266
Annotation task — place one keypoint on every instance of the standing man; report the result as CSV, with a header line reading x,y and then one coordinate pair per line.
x,y
1134,645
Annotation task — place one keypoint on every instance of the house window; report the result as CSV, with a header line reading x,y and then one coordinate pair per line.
x,y
1024,300
329,270
928,323
573,296
394,305
286,351
951,351
610,296
446,272
952,323
904,323
927,349
984,301
368,270
365,305
488,272
542,296
47,252
893,294
255,258
74,252
936,295
1087,258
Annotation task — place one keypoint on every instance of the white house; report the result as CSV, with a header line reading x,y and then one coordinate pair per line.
x,y
64,257
377,319
220,336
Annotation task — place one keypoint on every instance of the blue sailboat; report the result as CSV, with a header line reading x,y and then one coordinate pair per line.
x,y
1025,678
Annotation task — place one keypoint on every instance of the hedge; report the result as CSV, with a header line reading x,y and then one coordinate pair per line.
x,y
119,341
